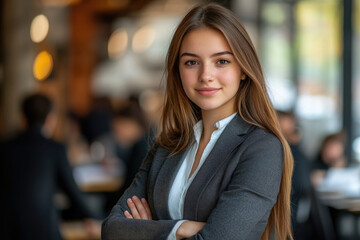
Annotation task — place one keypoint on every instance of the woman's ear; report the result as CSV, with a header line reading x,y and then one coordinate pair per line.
x,y
243,76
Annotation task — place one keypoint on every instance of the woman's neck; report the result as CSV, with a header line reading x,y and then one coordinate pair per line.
x,y
209,120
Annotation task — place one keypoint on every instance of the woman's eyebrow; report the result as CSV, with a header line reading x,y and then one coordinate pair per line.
x,y
213,55
189,54
221,53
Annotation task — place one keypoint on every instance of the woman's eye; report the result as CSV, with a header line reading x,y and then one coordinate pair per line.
x,y
190,63
222,61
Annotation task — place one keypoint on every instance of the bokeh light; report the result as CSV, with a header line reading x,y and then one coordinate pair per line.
x,y
143,39
39,28
117,43
43,65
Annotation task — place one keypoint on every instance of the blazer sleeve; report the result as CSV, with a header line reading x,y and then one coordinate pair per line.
x,y
117,226
244,207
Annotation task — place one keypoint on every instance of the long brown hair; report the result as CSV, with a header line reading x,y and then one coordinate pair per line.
x,y
253,104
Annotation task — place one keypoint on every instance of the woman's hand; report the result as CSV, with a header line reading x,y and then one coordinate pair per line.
x,y
188,229
139,209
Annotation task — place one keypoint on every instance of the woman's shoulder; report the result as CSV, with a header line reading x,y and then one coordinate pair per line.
x,y
252,131
261,136
263,147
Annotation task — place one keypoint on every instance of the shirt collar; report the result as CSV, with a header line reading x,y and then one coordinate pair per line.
x,y
198,127
224,122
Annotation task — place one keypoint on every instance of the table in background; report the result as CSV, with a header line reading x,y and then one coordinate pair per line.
x,y
97,178
340,191
75,230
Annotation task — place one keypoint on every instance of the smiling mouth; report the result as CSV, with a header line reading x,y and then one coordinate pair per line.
x,y
207,91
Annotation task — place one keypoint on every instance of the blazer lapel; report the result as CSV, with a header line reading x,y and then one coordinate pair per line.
x,y
232,136
163,183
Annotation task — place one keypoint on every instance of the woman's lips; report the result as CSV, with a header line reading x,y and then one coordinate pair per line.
x,y
207,91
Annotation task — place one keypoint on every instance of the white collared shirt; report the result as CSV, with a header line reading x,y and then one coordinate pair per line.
x,y
182,181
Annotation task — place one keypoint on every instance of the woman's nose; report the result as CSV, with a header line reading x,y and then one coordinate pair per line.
x,y
206,73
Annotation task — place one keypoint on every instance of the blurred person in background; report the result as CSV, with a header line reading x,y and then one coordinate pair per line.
x,y
98,121
301,185
331,155
33,168
127,143
76,144
301,175
130,133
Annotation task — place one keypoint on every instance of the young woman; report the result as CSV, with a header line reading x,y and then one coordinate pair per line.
x,y
220,168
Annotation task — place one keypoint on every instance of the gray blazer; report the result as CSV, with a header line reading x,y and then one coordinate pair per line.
x,y
233,192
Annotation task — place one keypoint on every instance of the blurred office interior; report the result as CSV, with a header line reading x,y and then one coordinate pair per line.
x,y
87,54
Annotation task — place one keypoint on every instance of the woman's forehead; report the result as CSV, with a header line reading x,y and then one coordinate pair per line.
x,y
204,40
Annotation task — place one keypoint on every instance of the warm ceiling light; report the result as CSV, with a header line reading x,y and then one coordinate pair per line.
x,y
143,39
43,65
39,28
117,43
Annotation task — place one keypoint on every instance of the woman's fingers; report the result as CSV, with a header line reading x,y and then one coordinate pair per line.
x,y
128,215
139,208
147,208
134,212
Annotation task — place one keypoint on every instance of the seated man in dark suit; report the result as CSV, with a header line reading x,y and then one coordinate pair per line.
x,y
33,168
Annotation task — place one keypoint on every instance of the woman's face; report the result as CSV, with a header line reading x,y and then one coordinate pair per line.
x,y
209,72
